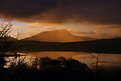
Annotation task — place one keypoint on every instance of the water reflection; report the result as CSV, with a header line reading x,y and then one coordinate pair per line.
x,y
108,60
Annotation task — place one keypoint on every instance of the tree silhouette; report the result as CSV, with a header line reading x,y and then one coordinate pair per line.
x,y
5,29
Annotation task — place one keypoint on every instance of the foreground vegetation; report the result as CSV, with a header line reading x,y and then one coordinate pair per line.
x,y
46,69
61,69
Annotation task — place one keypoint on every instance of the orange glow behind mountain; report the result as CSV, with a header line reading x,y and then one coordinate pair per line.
x,y
57,36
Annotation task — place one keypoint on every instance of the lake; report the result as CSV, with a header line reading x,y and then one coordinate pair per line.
x,y
107,60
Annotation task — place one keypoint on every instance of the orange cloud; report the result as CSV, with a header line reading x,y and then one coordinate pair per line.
x,y
108,31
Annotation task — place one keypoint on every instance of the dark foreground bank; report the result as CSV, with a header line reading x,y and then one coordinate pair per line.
x,y
61,69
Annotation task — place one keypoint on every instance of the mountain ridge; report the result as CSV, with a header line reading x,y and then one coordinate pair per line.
x,y
57,36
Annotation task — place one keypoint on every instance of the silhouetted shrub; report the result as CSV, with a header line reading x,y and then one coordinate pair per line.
x,y
61,69
47,69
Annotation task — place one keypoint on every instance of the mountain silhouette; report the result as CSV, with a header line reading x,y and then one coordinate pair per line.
x,y
57,36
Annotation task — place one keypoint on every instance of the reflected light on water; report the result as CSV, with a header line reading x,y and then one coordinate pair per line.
x,y
107,60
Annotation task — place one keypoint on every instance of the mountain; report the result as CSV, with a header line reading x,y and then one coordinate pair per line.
x,y
57,36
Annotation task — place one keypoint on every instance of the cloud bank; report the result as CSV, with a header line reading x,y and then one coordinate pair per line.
x,y
94,11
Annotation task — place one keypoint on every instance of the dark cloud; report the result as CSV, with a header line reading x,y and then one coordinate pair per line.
x,y
95,11
25,8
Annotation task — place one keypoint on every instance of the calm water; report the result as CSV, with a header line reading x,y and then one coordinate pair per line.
x,y
107,60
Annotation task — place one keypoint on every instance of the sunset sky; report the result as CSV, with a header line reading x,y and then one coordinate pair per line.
x,y
94,18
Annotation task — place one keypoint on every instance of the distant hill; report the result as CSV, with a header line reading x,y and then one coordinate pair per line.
x,y
112,45
57,36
